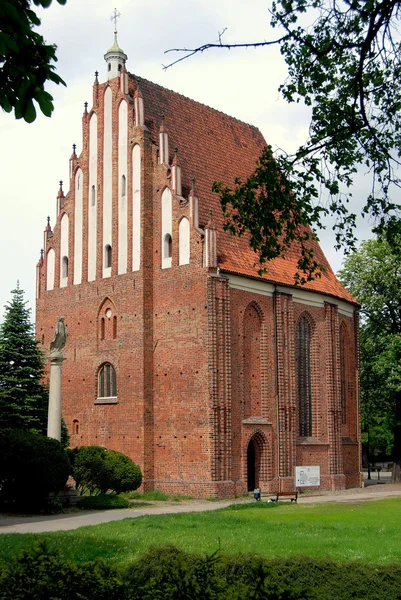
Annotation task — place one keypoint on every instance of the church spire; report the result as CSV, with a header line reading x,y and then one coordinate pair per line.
x,y
115,57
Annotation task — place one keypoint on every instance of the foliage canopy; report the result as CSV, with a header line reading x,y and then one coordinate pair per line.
x,y
373,276
25,60
344,62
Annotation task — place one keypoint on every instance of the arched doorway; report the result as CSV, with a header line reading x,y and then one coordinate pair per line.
x,y
252,470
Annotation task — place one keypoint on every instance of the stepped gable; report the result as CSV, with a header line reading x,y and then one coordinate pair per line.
x,y
212,147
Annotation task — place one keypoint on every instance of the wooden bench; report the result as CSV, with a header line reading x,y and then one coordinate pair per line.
x,y
293,496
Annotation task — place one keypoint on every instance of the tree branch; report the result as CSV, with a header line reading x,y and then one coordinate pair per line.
x,y
191,51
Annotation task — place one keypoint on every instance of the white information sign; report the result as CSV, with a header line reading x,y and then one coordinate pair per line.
x,y
307,476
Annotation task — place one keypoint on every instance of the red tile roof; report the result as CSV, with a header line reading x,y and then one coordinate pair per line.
x,y
215,147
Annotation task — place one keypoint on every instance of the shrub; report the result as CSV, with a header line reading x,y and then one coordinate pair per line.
x,y
119,473
31,467
87,465
98,470
105,502
39,574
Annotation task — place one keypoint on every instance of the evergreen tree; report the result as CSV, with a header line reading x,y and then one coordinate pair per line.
x,y
23,396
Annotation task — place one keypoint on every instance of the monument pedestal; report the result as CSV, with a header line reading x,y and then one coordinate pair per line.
x,y
54,414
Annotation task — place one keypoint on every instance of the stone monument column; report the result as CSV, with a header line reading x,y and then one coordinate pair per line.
x,y
56,361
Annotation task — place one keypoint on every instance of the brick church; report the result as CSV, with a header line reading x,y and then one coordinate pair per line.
x,y
215,380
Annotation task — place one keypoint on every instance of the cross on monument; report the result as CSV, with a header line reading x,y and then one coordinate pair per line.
x,y
116,15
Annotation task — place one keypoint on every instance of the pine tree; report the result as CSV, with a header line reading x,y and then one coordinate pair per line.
x,y
23,396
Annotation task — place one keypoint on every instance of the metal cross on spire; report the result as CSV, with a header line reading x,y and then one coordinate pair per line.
x,y
116,15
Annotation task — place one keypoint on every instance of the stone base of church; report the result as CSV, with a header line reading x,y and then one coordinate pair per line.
x,y
195,489
353,480
232,489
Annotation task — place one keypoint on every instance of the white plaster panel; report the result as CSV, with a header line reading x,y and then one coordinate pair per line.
x,y
51,264
64,230
122,199
136,208
184,242
300,296
166,225
92,210
79,184
107,177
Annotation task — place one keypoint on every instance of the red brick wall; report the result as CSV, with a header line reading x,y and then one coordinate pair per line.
x,y
202,369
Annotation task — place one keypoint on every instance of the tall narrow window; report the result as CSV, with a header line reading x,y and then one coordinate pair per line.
x,y
114,327
123,186
304,377
102,328
64,267
168,246
75,427
343,375
107,256
93,196
183,242
107,382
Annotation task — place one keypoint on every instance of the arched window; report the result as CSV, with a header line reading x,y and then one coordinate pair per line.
x,y
123,186
107,256
343,375
183,242
64,267
102,328
119,67
168,246
252,329
75,427
93,196
114,327
304,377
107,382
109,66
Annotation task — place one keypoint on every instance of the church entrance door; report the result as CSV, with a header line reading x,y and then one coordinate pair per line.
x,y
251,466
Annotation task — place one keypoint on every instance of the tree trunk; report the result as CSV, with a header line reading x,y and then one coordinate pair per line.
x,y
397,439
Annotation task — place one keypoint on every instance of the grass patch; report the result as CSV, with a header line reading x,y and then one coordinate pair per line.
x,y
369,532
155,495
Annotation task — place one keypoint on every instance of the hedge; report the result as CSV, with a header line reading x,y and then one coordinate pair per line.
x,y
171,574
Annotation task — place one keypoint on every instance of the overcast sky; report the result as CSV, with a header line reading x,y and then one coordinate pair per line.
x,y
241,83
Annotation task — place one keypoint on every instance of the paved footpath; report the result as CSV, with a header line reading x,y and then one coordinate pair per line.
x,y
64,522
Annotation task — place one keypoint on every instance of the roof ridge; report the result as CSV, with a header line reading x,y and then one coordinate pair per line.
x,y
216,110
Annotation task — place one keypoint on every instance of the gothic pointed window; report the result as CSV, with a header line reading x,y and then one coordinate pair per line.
x,y
123,185
304,377
107,382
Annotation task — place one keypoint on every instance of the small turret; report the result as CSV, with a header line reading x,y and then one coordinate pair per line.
x,y
163,144
139,109
60,198
73,160
96,90
176,175
210,260
193,206
115,58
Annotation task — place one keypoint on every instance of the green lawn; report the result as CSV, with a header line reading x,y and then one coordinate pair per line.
x,y
369,532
